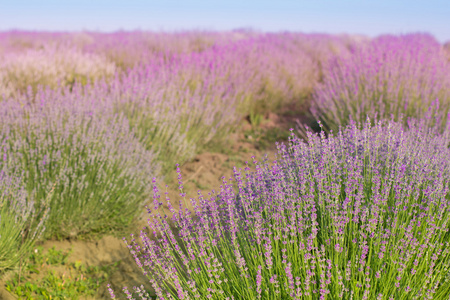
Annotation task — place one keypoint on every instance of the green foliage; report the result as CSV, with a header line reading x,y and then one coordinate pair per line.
x,y
255,118
13,246
265,138
77,280
19,226
168,142
173,138
98,171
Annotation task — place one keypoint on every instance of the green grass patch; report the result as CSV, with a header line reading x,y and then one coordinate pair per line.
x,y
265,138
49,275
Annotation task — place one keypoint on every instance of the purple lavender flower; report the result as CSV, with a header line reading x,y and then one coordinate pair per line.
x,y
83,167
389,77
350,215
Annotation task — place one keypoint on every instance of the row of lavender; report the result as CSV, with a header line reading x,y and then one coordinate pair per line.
x,y
82,132
364,214
390,76
361,214
80,154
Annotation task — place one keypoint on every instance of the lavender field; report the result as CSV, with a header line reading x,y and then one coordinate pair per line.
x,y
244,165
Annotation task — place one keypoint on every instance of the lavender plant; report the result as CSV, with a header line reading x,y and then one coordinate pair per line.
x,y
198,96
178,91
51,66
391,75
282,71
363,214
99,171
129,49
18,229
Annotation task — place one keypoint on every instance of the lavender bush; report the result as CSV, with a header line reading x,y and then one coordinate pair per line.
x,y
51,66
391,75
323,48
19,227
279,71
99,171
363,214
179,91
129,49
198,96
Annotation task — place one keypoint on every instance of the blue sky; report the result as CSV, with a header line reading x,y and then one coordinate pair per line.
x,y
369,17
